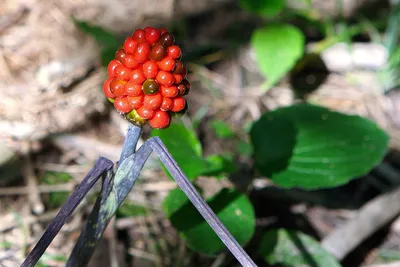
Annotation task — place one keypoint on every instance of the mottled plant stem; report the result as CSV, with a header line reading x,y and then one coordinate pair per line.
x,y
114,190
102,166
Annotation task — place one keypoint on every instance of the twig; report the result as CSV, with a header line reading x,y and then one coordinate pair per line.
x,y
23,190
371,217
102,165
32,187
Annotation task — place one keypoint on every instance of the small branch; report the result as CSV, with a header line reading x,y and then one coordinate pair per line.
x,y
102,165
371,217
32,187
132,137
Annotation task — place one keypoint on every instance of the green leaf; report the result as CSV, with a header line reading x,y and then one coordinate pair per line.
x,y
128,209
56,199
222,129
262,7
184,146
277,48
219,165
312,147
293,248
233,209
102,36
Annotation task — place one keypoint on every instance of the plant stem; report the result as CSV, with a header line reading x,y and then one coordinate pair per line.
x,y
102,166
219,228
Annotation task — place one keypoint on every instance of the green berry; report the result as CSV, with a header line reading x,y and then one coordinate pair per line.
x,y
150,86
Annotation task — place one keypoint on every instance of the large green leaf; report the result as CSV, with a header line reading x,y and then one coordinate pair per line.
x,y
263,7
184,146
277,49
292,248
232,208
312,147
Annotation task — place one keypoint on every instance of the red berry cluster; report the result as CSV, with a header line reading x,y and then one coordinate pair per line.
x,y
147,79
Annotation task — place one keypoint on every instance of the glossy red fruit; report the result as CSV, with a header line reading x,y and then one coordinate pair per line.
x,y
123,73
160,120
167,39
170,92
174,52
122,104
152,35
120,55
178,78
135,101
139,35
106,88
111,67
130,45
137,76
166,64
142,52
178,67
158,52
182,89
153,101
165,78
117,87
179,104
150,69
133,89
145,112
163,30
183,72
130,61
148,28
167,104
150,86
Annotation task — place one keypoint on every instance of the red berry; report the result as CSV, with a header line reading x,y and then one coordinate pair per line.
x,y
137,76
153,101
162,30
160,120
135,101
111,67
150,69
179,104
182,89
158,52
148,28
171,91
167,39
117,87
120,55
122,73
145,112
130,61
142,52
178,67
167,64
152,35
139,35
174,51
130,45
167,104
183,72
122,104
178,78
165,78
106,88
150,86
133,89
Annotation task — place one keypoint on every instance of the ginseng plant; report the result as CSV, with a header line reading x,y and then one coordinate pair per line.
x,y
146,84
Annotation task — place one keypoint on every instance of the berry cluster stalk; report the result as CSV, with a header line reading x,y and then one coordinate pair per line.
x,y
115,188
